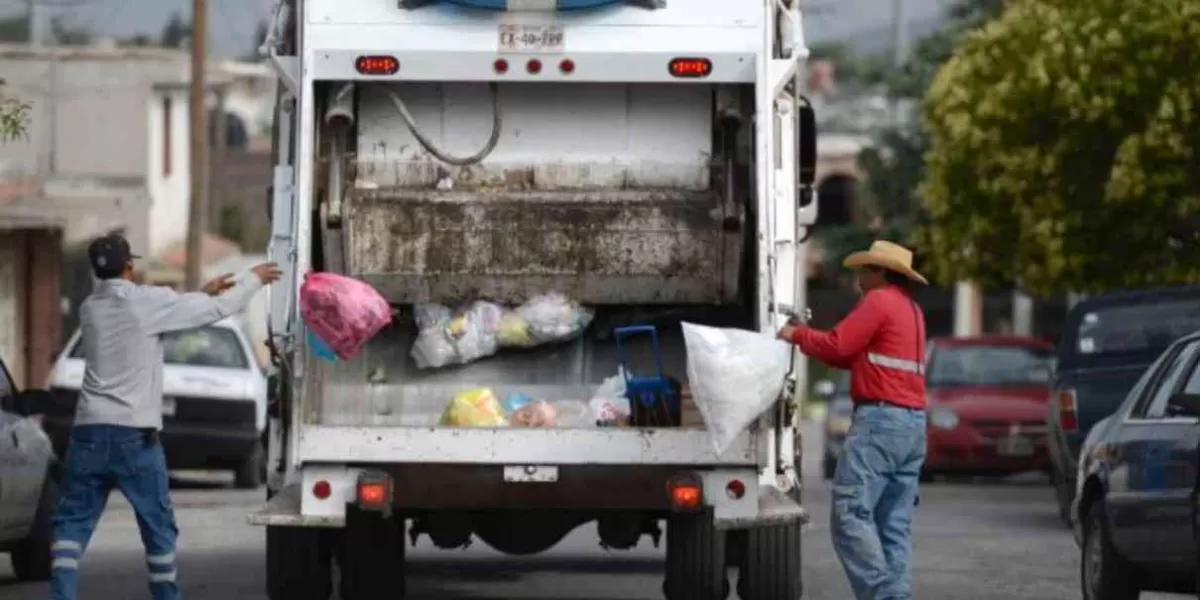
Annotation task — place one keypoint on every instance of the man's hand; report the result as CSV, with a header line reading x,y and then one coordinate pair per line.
x,y
268,273
787,333
218,285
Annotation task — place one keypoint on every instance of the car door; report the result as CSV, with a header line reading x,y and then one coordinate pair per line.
x,y
12,480
1151,519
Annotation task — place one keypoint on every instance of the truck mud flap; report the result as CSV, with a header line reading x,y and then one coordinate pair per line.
x,y
284,510
774,508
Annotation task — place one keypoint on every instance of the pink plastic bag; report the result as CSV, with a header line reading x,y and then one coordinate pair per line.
x,y
343,311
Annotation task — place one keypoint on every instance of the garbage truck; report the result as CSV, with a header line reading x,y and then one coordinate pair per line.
x,y
653,160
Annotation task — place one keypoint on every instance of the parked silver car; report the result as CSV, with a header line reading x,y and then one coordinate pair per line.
x,y
28,489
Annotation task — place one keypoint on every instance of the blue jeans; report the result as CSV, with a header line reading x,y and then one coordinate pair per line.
x,y
874,491
100,458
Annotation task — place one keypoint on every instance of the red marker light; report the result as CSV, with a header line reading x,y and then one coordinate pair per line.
x,y
567,66
534,66
377,65
322,490
500,66
691,68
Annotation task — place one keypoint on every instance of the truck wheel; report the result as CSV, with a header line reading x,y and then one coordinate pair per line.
x,y
299,565
372,556
695,568
1103,573
249,473
770,567
31,558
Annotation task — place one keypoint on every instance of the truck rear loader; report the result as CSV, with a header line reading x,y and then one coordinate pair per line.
x,y
651,159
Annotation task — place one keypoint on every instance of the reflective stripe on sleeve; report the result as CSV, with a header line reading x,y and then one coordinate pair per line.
x,y
900,364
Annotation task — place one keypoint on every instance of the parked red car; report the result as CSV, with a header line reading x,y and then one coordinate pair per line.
x,y
988,398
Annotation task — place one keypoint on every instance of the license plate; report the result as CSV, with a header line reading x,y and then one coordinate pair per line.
x,y
531,474
538,39
168,407
1015,446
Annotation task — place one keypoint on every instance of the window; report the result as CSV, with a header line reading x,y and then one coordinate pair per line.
x,y
1143,327
166,127
953,366
1153,404
202,347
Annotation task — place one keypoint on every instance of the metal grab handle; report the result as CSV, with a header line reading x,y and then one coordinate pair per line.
x,y
623,332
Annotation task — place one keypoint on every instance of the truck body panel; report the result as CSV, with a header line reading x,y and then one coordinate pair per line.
x,y
430,152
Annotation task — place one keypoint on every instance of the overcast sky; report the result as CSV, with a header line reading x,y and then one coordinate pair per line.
x,y
233,21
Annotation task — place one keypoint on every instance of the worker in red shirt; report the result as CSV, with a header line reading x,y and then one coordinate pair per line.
x,y
882,343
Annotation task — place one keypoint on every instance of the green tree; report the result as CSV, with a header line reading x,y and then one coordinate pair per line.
x,y
176,32
1066,148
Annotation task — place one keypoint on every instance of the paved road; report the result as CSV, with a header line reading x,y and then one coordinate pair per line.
x,y
984,540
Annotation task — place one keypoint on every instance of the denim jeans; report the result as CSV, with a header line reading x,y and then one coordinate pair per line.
x,y
100,458
874,492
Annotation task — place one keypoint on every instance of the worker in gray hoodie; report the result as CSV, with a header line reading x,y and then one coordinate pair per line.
x,y
114,442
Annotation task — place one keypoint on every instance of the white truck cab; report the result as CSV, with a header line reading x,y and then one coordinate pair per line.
x,y
652,159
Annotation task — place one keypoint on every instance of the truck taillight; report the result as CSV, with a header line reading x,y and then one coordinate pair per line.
x,y
691,68
1068,418
377,65
686,493
374,491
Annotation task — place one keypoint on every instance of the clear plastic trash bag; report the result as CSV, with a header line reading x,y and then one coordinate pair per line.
x,y
344,312
735,376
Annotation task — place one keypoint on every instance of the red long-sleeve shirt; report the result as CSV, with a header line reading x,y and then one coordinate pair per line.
x,y
881,342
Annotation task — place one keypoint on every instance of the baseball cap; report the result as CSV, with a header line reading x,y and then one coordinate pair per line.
x,y
109,255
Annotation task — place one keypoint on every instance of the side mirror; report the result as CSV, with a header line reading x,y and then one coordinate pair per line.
x,y
824,388
806,148
28,403
1184,405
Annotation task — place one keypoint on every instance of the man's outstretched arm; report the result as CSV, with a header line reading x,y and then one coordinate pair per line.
x,y
166,310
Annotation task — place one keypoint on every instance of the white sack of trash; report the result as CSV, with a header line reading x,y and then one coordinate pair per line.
x,y
735,376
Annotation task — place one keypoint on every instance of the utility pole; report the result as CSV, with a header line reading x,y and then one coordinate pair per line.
x,y
198,171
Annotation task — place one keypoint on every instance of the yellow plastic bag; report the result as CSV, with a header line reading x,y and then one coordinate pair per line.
x,y
514,331
474,408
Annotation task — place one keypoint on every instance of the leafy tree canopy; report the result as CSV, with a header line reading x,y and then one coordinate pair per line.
x,y
1065,148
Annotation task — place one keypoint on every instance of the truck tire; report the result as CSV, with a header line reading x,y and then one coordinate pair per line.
x,y
31,558
695,567
770,567
372,557
251,472
299,565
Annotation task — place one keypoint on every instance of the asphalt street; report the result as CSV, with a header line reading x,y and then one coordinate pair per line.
x,y
984,540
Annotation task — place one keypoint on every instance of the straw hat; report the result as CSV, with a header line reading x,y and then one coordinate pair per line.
x,y
885,255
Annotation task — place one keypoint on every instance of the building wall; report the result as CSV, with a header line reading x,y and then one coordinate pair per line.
x,y
88,113
167,167
12,287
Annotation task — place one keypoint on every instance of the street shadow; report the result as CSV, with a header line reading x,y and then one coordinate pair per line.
x,y
494,570
192,482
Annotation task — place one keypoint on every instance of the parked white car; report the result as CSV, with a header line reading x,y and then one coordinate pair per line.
x,y
214,401
28,477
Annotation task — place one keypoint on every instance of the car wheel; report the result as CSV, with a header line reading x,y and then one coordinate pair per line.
x,y
1064,495
1103,574
249,473
31,558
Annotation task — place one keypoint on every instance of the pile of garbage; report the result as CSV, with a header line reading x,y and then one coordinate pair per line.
x,y
480,329
481,407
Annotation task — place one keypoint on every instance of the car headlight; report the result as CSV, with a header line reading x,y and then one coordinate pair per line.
x,y
943,418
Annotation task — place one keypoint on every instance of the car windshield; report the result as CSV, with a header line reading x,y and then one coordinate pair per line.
x,y
1144,327
201,347
989,365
